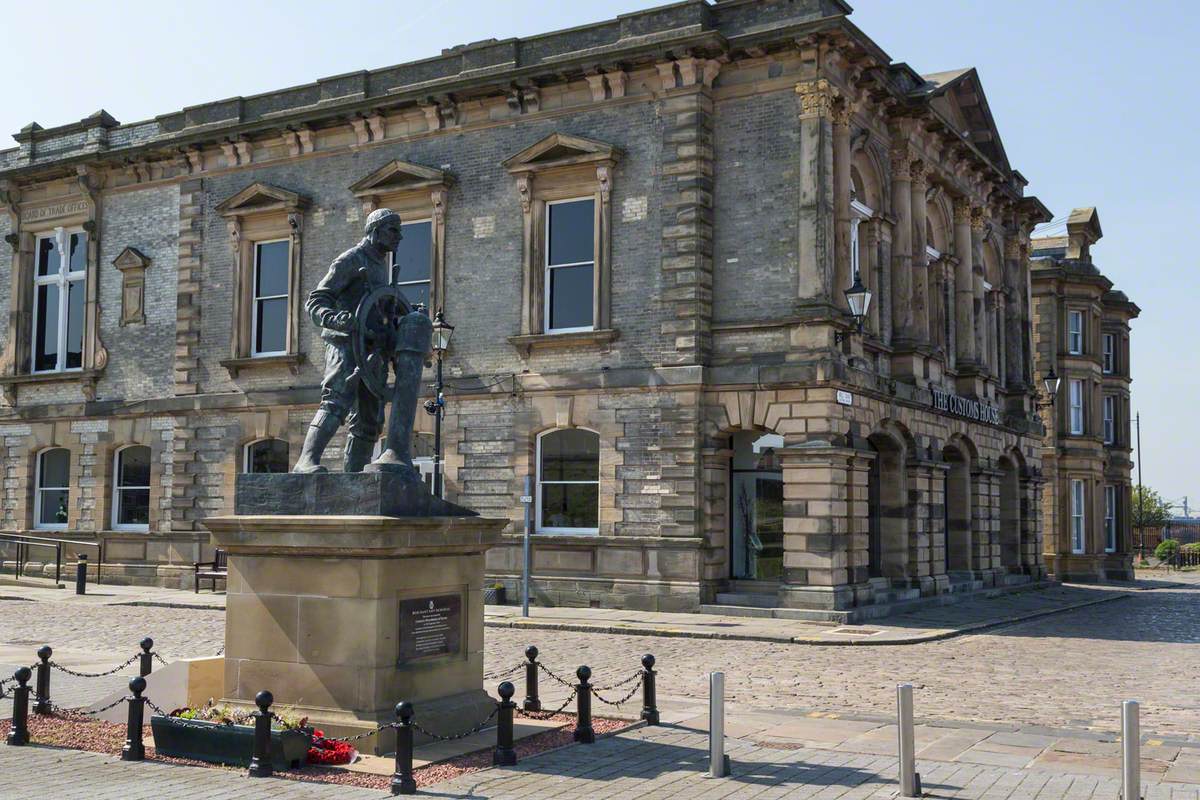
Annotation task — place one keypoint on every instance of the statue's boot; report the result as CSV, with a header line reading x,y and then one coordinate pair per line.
x,y
358,453
322,429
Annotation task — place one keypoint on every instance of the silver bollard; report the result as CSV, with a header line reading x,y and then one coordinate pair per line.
x,y
718,762
1131,752
910,781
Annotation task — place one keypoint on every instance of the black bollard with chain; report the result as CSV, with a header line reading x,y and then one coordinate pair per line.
x,y
18,733
134,750
81,575
260,764
146,658
402,778
504,755
583,707
532,701
649,694
42,705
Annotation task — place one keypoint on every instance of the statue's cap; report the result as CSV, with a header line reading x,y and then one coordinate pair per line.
x,y
380,216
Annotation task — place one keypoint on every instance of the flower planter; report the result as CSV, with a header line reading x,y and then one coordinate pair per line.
x,y
494,596
218,743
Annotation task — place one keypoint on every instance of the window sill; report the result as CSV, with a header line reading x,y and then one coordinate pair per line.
x,y
540,341
86,378
291,360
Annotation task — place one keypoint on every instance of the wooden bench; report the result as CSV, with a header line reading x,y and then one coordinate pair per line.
x,y
211,570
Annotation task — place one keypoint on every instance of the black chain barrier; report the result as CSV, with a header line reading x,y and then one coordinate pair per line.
x,y
623,700
457,736
160,659
112,671
550,672
544,715
619,684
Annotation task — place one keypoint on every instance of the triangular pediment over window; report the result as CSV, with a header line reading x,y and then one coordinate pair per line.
x,y
131,258
400,176
261,197
561,150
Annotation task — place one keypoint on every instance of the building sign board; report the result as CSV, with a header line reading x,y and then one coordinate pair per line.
x,y
67,209
845,398
430,626
966,407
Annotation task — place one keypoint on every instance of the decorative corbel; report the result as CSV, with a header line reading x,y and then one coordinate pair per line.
x,y
531,98
595,81
525,191
712,67
305,135
513,98
437,197
604,177
242,145
616,82
292,141
433,120
375,123
230,153
361,134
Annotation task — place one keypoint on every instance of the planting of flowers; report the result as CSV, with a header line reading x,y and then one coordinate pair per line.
x,y
225,715
327,753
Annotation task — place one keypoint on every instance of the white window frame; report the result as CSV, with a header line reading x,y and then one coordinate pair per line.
x,y
1075,333
1078,517
546,268
38,490
1110,353
1077,420
540,483
859,212
116,493
255,299
428,281
63,279
246,451
1110,419
1110,518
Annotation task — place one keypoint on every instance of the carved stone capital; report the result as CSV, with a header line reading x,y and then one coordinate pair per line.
x,y
902,163
977,221
962,210
839,111
1012,247
918,173
816,97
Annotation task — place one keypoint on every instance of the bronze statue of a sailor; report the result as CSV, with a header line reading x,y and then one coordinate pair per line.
x,y
369,328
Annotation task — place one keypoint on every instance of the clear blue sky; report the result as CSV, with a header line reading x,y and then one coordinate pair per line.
x,y
1094,101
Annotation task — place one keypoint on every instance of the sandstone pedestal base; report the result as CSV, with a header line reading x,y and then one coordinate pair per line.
x,y
342,617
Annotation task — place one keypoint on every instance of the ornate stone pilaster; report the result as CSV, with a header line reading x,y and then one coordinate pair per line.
x,y
840,117
977,227
1014,306
815,223
902,289
920,259
964,283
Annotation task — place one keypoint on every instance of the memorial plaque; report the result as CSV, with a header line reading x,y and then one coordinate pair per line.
x,y
430,626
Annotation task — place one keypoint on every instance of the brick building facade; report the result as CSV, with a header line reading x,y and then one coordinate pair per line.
x,y
642,229
1081,332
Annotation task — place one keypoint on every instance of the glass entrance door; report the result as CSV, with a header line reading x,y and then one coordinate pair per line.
x,y
756,507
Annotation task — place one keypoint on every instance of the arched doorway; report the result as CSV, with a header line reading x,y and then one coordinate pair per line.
x,y
756,507
957,508
1010,514
887,540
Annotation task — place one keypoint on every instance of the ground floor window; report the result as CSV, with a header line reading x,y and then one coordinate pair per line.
x,y
266,456
53,493
131,489
757,507
1077,517
568,478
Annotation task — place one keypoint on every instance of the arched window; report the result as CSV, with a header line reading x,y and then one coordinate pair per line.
x,y
131,489
568,476
266,456
53,493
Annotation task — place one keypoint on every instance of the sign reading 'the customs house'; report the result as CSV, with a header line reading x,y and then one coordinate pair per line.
x,y
430,626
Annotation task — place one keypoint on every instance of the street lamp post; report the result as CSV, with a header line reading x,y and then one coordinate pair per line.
x,y
442,331
858,298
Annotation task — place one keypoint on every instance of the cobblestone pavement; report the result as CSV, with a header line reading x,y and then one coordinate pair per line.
x,y
647,763
1069,670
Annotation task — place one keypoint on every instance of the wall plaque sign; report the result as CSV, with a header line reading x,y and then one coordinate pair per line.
x,y
430,626
58,210
967,407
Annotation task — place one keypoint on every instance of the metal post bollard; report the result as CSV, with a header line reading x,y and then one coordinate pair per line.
x,y
18,734
718,762
146,658
584,733
1131,752
504,755
81,575
134,750
402,778
260,764
649,693
532,701
910,781
42,706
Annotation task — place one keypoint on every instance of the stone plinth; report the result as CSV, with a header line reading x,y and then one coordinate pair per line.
x,y
314,615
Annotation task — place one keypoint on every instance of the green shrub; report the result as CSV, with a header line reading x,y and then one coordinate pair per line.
x,y
1167,548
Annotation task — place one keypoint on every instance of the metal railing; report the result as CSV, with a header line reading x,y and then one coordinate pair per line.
x,y
24,543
